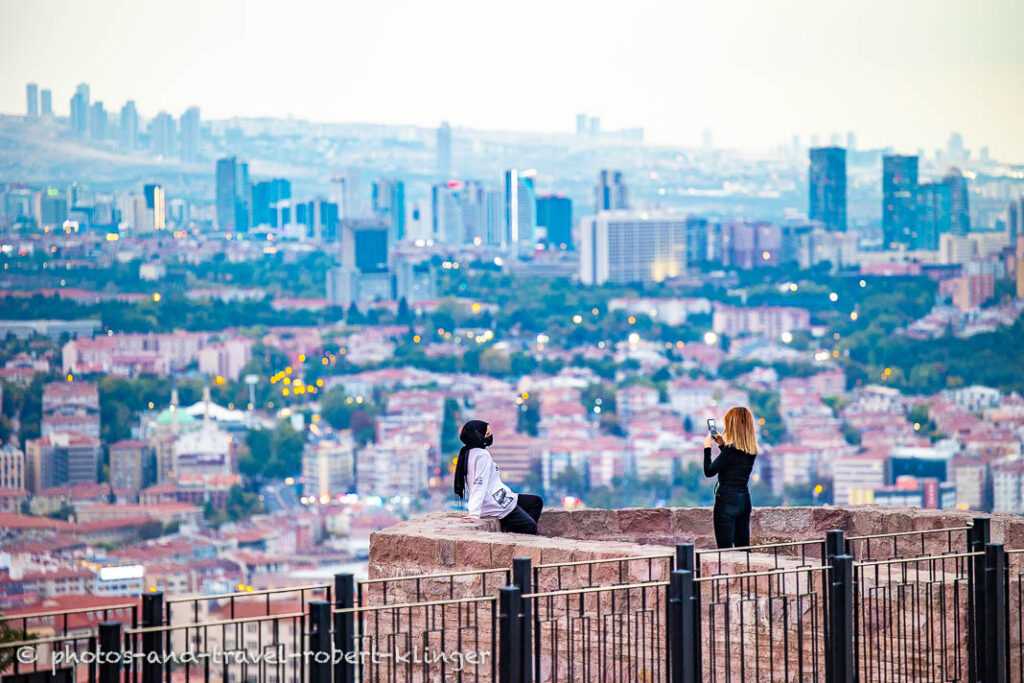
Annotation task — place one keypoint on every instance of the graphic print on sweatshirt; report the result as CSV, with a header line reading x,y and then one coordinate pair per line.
x,y
502,497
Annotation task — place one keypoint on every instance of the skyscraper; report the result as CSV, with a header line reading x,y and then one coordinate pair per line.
x,y
364,245
156,207
190,135
45,102
32,94
444,151
959,202
161,134
389,203
447,210
899,201
234,195
129,126
932,217
955,152
494,212
266,195
97,121
79,118
554,213
320,217
1015,220
827,184
460,212
346,192
581,124
630,246
520,211
610,192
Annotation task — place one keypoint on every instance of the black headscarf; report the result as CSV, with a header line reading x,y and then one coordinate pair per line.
x,y
472,435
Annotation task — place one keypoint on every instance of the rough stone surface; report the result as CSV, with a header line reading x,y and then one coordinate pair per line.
x,y
615,550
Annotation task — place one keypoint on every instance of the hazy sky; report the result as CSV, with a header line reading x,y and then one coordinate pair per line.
x,y
897,72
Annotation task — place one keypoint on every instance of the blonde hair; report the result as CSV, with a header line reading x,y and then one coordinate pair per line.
x,y
739,430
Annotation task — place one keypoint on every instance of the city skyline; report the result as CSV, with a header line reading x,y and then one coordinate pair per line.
x,y
798,71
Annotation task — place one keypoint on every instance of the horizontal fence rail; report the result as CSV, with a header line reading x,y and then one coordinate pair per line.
x,y
928,605
910,543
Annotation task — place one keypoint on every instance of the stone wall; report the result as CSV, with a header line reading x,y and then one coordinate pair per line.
x,y
445,542
633,546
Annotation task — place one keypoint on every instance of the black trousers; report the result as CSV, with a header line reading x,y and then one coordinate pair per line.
x,y
732,518
523,519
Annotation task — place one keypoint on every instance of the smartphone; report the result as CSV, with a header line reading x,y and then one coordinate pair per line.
x,y
711,427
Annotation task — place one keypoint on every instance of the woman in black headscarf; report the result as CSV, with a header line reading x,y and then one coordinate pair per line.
x,y
477,478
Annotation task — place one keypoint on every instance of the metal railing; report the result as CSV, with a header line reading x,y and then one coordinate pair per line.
x,y
863,608
449,640
911,618
765,625
910,543
417,587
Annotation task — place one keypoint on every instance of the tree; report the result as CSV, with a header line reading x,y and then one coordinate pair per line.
x,y
450,428
259,452
570,481
10,635
529,416
403,316
335,409
241,504
495,362
151,528
287,448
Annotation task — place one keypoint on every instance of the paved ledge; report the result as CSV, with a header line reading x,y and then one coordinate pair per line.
x,y
445,542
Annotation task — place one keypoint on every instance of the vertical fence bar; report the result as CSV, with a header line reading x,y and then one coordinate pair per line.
x,y
834,544
684,556
978,537
152,642
344,629
683,627
688,560
319,641
995,617
510,647
110,652
841,617
521,573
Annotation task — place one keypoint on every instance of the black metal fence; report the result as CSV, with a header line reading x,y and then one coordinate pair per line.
x,y
933,605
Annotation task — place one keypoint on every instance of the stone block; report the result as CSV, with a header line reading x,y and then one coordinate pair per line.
x,y
473,554
689,524
645,521
768,525
825,519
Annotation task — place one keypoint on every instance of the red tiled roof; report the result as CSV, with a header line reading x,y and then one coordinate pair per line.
x,y
13,520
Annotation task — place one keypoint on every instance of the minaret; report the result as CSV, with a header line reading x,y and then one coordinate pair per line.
x,y
206,405
174,408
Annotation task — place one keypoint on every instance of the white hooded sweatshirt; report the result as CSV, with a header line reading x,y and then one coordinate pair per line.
x,y
488,495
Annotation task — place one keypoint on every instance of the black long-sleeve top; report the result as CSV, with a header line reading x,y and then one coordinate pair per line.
x,y
732,466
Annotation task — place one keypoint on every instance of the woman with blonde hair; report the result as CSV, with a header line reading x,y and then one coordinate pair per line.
x,y
737,449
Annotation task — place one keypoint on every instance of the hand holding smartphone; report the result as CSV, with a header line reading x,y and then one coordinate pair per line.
x,y
713,430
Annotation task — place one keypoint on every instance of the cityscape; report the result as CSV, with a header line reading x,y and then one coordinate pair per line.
x,y
234,348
